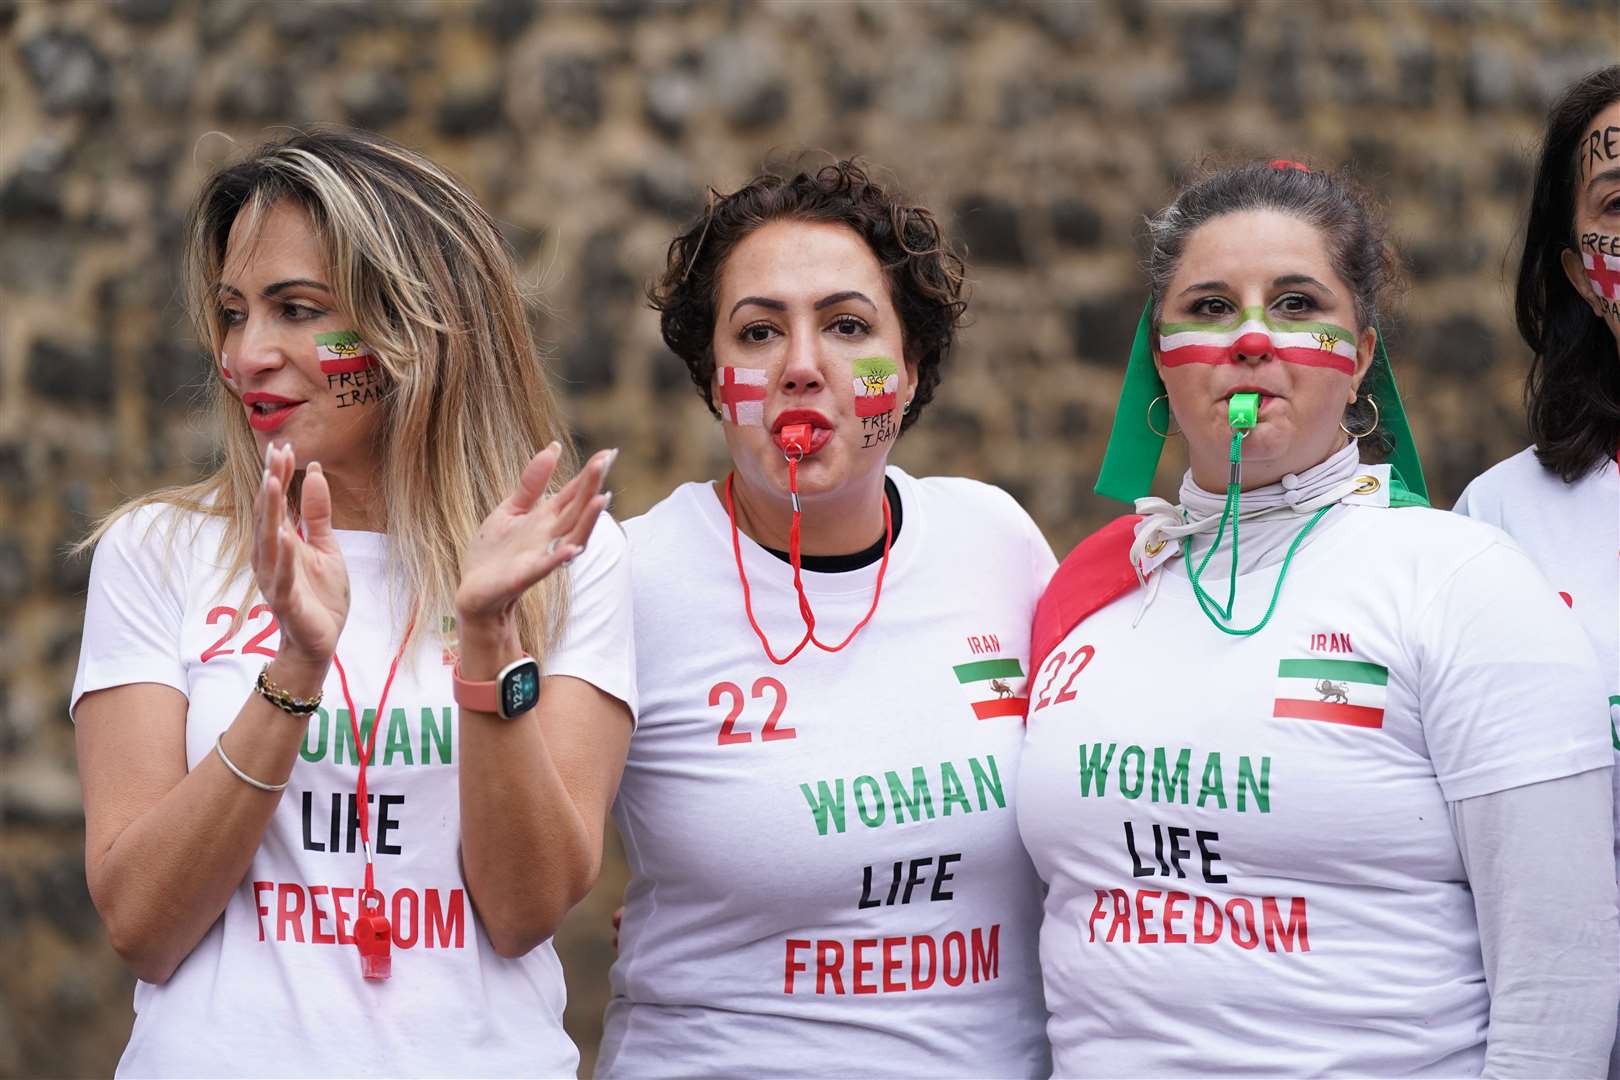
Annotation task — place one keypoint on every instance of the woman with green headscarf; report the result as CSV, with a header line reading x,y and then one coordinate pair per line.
x,y
1300,749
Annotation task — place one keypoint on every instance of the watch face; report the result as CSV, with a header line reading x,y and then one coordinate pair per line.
x,y
520,688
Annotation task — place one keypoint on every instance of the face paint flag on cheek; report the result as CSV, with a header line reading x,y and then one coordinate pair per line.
x,y
742,395
877,385
1603,271
1310,344
342,352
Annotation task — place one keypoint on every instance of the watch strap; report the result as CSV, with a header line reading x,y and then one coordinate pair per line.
x,y
480,696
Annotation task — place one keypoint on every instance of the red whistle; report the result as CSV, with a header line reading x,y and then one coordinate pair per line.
x,y
794,437
374,937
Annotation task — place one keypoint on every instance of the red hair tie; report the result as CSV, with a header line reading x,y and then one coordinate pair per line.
x,y
1284,163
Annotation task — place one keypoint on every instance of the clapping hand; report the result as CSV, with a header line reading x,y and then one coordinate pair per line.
x,y
528,536
302,578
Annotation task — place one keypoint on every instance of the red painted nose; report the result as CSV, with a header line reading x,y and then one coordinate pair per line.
x,y
1252,345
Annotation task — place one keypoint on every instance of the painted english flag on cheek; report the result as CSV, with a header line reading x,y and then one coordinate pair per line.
x,y
742,395
1307,343
1603,271
342,352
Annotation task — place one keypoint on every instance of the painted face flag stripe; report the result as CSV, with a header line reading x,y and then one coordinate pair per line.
x,y
342,352
742,395
877,384
1325,346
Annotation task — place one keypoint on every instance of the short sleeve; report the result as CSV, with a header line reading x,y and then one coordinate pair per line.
x,y
598,643
134,609
1509,686
1042,563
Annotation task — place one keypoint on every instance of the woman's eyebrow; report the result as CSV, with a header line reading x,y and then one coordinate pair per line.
x,y
295,283
758,301
1300,279
840,297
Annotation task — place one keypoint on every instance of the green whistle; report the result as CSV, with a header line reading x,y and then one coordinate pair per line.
x,y
1242,411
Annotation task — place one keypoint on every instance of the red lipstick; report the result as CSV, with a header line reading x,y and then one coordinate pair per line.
x,y
821,429
267,412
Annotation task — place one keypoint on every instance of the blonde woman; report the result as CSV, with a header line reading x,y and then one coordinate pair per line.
x,y
300,893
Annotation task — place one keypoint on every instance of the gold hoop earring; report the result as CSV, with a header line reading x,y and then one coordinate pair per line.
x,y
1370,430
1170,417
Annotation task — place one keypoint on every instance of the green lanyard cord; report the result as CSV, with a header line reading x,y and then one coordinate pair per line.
x,y
1218,614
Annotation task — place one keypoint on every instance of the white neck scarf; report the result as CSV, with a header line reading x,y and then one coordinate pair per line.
x,y
1280,510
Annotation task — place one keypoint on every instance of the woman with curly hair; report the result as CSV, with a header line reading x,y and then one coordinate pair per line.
x,y
1560,499
832,658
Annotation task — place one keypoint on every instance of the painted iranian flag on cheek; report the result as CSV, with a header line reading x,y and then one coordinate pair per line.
x,y
1314,344
342,352
877,385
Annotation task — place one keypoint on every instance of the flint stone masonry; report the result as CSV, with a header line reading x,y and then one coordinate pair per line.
x,y
1040,131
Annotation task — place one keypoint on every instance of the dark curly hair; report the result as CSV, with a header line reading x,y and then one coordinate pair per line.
x,y
1347,215
926,278
1572,394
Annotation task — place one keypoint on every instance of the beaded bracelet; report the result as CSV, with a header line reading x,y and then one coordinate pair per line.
x,y
281,699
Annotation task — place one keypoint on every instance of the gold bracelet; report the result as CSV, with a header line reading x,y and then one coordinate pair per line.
x,y
281,699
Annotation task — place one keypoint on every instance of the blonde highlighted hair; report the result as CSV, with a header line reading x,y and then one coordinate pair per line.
x,y
421,270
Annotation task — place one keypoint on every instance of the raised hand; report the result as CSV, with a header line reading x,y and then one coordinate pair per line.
x,y
303,579
528,536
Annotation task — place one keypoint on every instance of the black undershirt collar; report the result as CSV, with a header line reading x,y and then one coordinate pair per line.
x,y
843,564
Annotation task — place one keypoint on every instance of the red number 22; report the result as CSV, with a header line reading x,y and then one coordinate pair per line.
x,y
729,735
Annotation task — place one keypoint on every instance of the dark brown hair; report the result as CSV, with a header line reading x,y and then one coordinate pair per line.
x,y
925,277
1572,394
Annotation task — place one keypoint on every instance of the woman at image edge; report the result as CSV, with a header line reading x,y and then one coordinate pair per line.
x,y
825,872
362,310
1560,499
1326,815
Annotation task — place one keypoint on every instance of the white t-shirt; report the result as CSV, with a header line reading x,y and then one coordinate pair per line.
x,y
1250,863
274,987
1572,533
826,874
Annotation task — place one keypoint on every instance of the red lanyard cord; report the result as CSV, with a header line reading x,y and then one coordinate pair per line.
x,y
370,892
795,558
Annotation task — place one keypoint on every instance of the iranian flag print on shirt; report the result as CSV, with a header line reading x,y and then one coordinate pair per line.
x,y
1333,691
1251,332
1246,840
996,686
877,382
342,352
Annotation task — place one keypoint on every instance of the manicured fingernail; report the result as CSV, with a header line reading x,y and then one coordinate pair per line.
x,y
554,446
266,479
573,552
613,455
552,547
313,466
607,502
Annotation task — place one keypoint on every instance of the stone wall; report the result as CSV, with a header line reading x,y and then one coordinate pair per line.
x,y
1042,130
